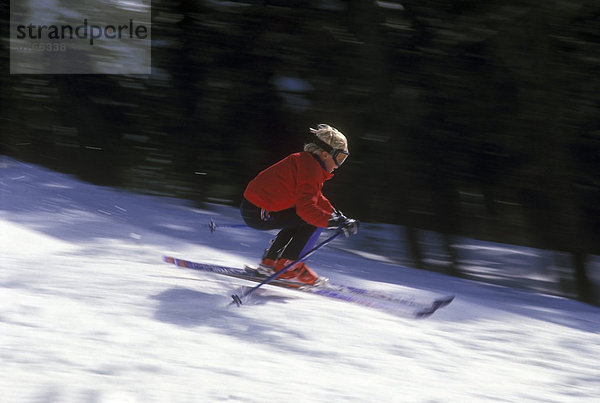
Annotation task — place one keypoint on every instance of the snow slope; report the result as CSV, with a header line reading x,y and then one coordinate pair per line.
x,y
90,313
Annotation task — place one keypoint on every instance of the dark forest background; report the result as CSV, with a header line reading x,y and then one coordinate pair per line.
x,y
466,118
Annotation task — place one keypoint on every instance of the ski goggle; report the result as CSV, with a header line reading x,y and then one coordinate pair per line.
x,y
339,156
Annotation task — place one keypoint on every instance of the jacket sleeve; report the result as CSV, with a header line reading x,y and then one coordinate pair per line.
x,y
311,205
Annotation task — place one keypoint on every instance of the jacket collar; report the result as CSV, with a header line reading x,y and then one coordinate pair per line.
x,y
320,161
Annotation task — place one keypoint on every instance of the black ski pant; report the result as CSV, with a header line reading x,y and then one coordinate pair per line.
x,y
295,238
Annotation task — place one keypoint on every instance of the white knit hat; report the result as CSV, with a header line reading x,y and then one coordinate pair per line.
x,y
331,136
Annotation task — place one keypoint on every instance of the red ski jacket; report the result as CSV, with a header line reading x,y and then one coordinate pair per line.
x,y
297,181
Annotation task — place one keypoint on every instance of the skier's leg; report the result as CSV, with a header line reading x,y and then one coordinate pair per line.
x,y
255,217
295,238
303,238
282,239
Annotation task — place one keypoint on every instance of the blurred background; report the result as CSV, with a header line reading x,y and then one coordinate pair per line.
x,y
464,118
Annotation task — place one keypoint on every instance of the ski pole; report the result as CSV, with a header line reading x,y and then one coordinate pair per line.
x,y
237,299
213,225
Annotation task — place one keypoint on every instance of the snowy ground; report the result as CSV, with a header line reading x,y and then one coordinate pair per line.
x,y
89,313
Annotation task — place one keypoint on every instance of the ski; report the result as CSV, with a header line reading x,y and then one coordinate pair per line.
x,y
402,306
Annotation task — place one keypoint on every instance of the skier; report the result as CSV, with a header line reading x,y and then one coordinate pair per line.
x,y
287,196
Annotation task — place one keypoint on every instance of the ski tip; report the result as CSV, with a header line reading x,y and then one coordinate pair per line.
x,y
236,299
445,301
437,304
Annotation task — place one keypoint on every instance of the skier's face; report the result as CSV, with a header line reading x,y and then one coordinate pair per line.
x,y
329,162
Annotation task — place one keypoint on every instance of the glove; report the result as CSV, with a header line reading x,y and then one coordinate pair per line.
x,y
336,219
348,225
